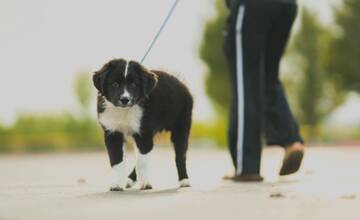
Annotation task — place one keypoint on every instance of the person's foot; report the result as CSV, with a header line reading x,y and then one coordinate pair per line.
x,y
254,177
292,159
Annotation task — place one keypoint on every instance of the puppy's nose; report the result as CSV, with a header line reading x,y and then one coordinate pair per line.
x,y
124,100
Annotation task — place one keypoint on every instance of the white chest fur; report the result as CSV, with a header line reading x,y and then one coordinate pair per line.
x,y
124,120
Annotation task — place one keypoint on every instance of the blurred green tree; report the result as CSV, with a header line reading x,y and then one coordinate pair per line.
x,y
345,48
83,91
211,53
312,92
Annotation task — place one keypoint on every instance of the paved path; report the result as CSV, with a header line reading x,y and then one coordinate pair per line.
x,y
74,186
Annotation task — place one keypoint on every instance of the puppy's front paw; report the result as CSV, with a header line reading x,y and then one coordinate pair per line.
x,y
130,183
184,183
145,186
116,187
119,177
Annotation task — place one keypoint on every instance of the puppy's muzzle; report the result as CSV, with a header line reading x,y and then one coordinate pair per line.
x,y
124,101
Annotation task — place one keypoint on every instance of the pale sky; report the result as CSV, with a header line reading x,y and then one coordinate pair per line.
x,y
44,43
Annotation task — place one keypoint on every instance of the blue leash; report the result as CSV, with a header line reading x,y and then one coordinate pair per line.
x,y
160,30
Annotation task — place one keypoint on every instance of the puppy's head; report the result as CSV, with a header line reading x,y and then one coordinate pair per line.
x,y
124,83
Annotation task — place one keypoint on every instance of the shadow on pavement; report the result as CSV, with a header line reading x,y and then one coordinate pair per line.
x,y
133,193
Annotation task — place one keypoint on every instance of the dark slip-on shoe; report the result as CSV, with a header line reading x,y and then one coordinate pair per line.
x,y
292,162
244,178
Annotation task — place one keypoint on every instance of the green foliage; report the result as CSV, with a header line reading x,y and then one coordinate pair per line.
x,y
345,48
82,88
217,78
313,94
215,130
33,133
51,132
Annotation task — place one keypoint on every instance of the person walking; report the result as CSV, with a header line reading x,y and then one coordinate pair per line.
x,y
256,36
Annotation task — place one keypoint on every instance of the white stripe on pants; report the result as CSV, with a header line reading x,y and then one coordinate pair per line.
x,y
240,89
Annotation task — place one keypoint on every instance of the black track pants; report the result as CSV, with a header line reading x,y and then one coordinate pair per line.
x,y
255,39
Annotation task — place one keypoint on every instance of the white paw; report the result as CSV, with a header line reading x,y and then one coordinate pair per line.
x,y
119,178
142,170
145,186
184,183
116,187
129,183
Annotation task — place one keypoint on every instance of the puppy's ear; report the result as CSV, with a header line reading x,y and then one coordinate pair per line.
x,y
148,78
98,80
99,77
149,81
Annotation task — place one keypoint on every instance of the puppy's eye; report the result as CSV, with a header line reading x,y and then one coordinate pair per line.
x,y
133,85
115,84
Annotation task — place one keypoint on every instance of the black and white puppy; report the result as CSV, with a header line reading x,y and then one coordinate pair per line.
x,y
138,103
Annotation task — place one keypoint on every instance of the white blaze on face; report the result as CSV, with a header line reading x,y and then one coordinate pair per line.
x,y
126,69
126,94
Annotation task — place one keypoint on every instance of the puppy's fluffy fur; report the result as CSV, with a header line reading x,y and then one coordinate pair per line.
x,y
136,102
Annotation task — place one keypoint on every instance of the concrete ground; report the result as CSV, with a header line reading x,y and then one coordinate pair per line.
x,y
75,186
